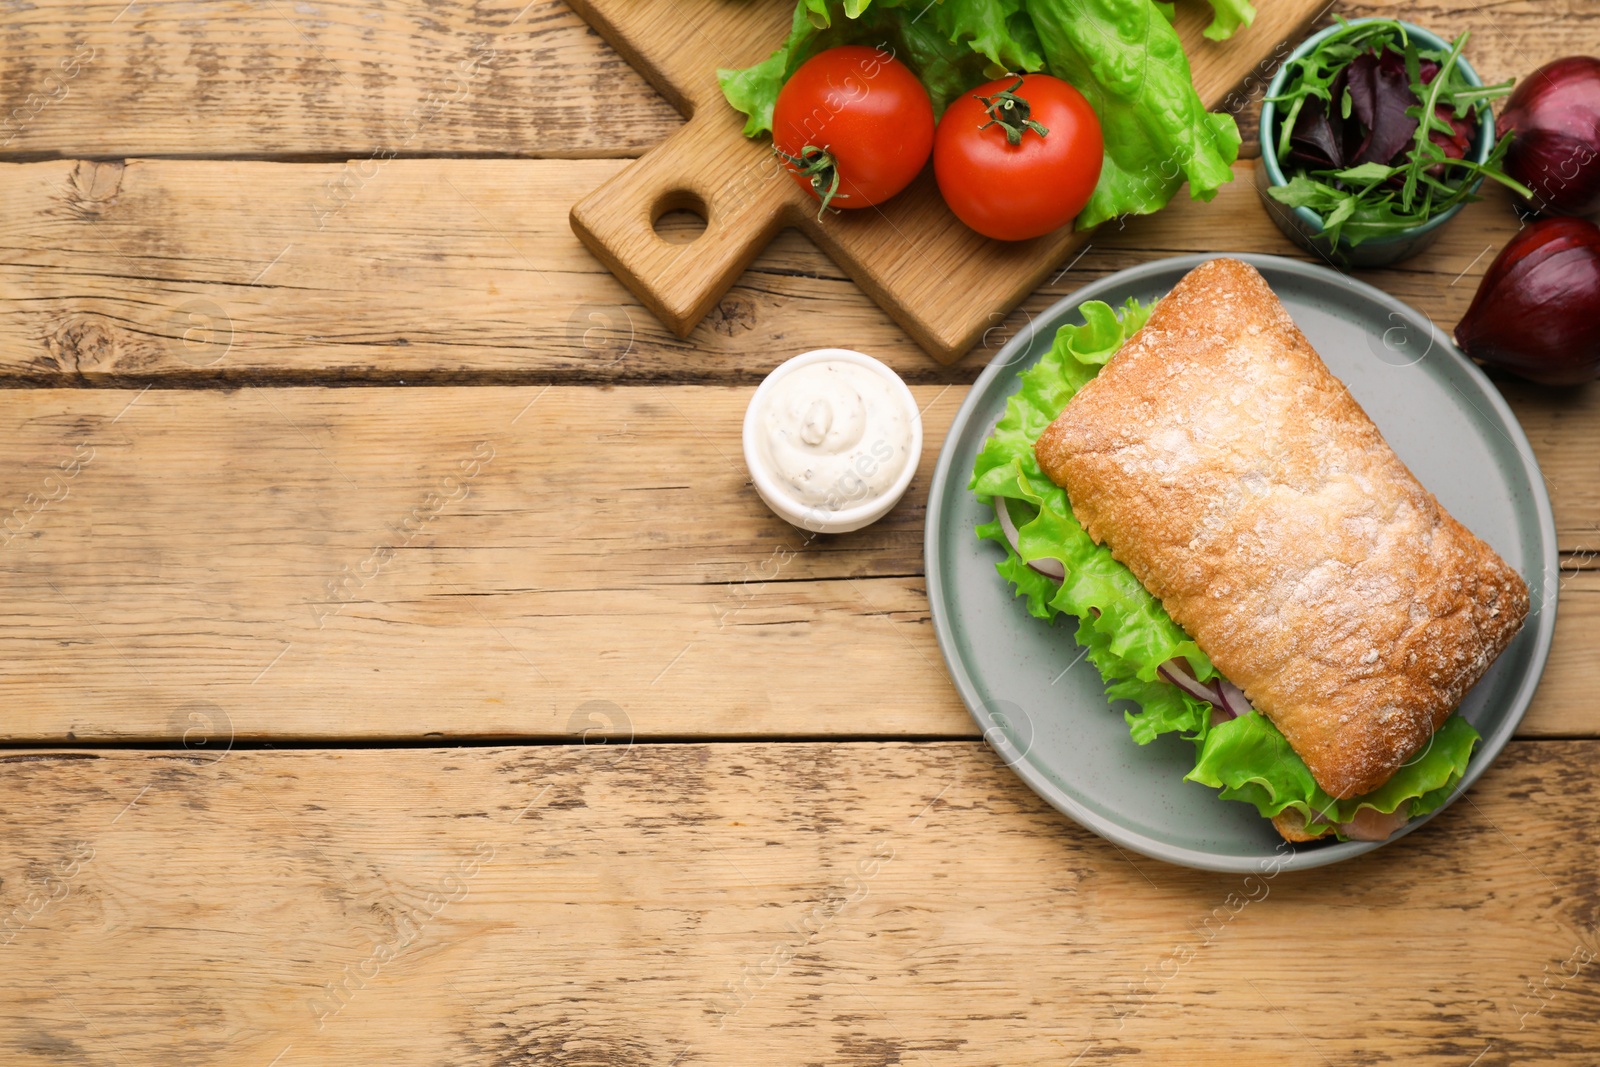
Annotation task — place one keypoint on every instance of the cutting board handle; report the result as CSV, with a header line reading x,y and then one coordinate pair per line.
x,y
711,171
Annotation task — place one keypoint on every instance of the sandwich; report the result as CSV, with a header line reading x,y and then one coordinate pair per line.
x,y
1250,563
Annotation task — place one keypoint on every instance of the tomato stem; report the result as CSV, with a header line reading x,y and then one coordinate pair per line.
x,y
1010,112
819,165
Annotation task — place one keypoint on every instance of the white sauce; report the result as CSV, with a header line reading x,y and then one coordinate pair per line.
x,y
834,434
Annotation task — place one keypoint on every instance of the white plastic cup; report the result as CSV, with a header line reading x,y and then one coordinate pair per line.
x,y
810,516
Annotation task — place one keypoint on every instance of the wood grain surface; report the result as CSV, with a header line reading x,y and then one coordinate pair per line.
x,y
297,79
840,904
316,78
466,271
310,441
481,562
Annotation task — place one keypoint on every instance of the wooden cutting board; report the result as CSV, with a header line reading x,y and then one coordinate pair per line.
x,y
941,281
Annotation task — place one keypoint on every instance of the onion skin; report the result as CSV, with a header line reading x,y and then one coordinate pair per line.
x,y
1555,114
1537,310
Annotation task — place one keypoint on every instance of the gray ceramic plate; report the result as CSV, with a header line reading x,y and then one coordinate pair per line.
x,y
1043,709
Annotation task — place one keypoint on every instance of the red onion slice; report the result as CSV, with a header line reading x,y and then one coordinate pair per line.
x,y
1050,568
1233,698
1227,700
1177,672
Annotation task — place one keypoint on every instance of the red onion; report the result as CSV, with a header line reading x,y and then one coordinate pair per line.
x,y
1050,568
1233,698
1226,699
1537,310
1555,113
1177,672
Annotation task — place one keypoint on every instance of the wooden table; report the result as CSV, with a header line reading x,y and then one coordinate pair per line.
x,y
399,667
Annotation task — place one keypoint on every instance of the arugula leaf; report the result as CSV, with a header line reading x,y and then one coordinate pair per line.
x,y
1303,192
1425,151
1367,173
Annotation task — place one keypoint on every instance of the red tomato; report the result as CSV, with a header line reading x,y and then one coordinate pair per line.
x,y
854,125
1017,158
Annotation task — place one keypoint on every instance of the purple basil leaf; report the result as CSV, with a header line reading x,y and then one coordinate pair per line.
x,y
1316,139
1350,131
1381,106
1362,75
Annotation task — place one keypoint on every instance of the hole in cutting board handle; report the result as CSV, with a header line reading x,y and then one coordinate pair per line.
x,y
679,217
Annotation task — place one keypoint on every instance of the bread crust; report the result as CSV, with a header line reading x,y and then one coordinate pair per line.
x,y
1291,826
1224,464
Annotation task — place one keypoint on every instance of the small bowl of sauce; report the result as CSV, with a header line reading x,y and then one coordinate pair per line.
x,y
832,439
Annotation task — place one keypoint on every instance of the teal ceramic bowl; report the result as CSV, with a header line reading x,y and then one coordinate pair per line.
x,y
1304,226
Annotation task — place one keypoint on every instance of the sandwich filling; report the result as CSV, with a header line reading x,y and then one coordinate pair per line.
x,y
1143,656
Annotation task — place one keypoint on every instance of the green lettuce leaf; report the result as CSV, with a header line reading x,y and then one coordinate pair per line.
x,y
1127,634
998,30
1227,17
1123,55
946,67
1249,760
754,90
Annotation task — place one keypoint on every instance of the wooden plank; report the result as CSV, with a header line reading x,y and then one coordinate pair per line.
x,y
397,562
437,269
377,563
726,904
318,79
450,270
313,78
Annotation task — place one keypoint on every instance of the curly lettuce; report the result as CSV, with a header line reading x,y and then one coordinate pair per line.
x,y
1249,760
1138,635
1227,18
1126,632
1123,55
945,65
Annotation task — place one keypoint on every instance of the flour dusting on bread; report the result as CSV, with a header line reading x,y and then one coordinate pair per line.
x,y
1224,464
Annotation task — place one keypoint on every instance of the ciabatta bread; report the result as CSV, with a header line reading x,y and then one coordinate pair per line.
x,y
1237,478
